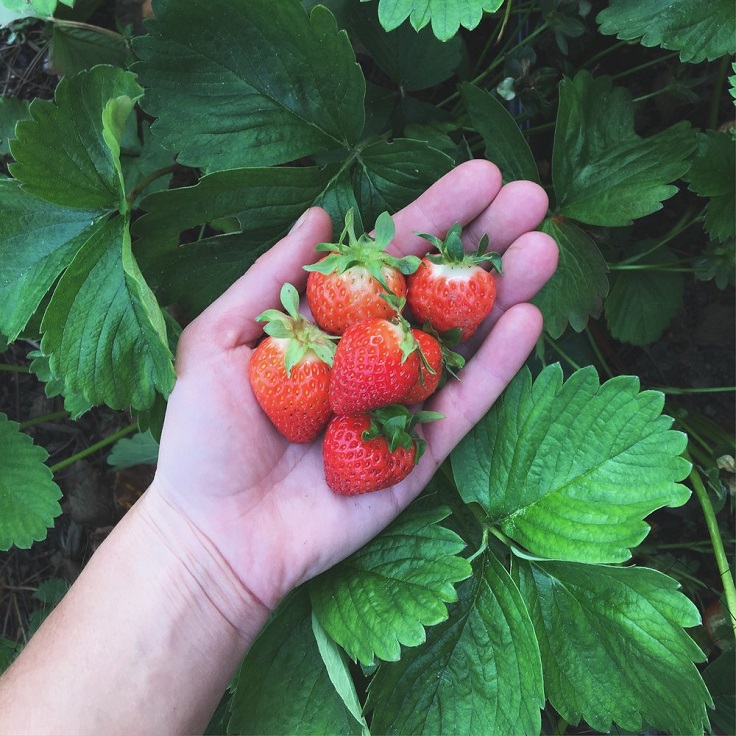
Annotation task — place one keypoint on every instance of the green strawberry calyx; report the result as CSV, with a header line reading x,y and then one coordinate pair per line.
x,y
397,424
302,335
366,251
452,252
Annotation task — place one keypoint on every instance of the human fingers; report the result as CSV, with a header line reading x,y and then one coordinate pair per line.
x,y
459,196
230,320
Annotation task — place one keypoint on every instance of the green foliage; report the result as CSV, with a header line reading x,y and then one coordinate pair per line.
x,y
501,589
681,25
569,469
29,498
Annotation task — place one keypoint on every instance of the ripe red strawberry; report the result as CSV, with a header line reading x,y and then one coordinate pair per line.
x,y
370,451
437,361
347,285
450,290
376,363
290,371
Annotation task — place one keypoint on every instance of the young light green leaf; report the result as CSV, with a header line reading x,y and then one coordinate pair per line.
x,y
12,10
29,498
140,449
642,303
225,93
613,646
680,25
569,470
65,153
102,308
446,16
384,594
413,60
336,664
712,175
479,672
603,172
390,175
12,109
505,143
577,289
37,241
285,659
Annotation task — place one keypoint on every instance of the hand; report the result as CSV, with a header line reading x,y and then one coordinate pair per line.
x,y
261,503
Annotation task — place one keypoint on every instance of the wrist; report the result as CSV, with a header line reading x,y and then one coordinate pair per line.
x,y
197,568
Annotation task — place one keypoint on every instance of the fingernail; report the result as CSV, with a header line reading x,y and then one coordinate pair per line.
x,y
300,221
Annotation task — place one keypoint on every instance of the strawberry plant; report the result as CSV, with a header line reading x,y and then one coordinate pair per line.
x,y
522,591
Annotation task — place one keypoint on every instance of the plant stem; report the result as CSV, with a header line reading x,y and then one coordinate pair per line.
x,y
659,267
94,448
146,180
88,27
598,353
717,91
645,65
562,353
61,414
719,551
14,368
601,54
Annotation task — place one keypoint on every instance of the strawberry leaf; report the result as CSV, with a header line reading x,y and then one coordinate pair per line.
x,y
478,672
118,355
642,303
613,646
576,290
29,498
505,143
12,109
712,175
391,175
286,658
384,594
446,16
37,241
570,469
68,153
224,93
681,25
603,172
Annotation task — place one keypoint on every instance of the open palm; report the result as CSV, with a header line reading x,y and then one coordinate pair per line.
x,y
262,502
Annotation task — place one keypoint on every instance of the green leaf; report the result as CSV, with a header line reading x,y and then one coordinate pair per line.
x,y
391,175
505,143
283,686
338,198
140,449
479,672
75,404
12,110
613,646
603,172
576,290
642,303
680,25
37,241
8,650
569,470
413,60
29,498
145,157
446,16
270,85
103,329
384,594
73,50
67,153
720,677
712,175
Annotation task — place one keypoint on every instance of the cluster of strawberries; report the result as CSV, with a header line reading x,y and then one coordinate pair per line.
x,y
360,365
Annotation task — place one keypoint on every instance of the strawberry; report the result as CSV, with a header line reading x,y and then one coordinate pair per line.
x,y
347,285
369,451
430,369
376,363
451,290
290,371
